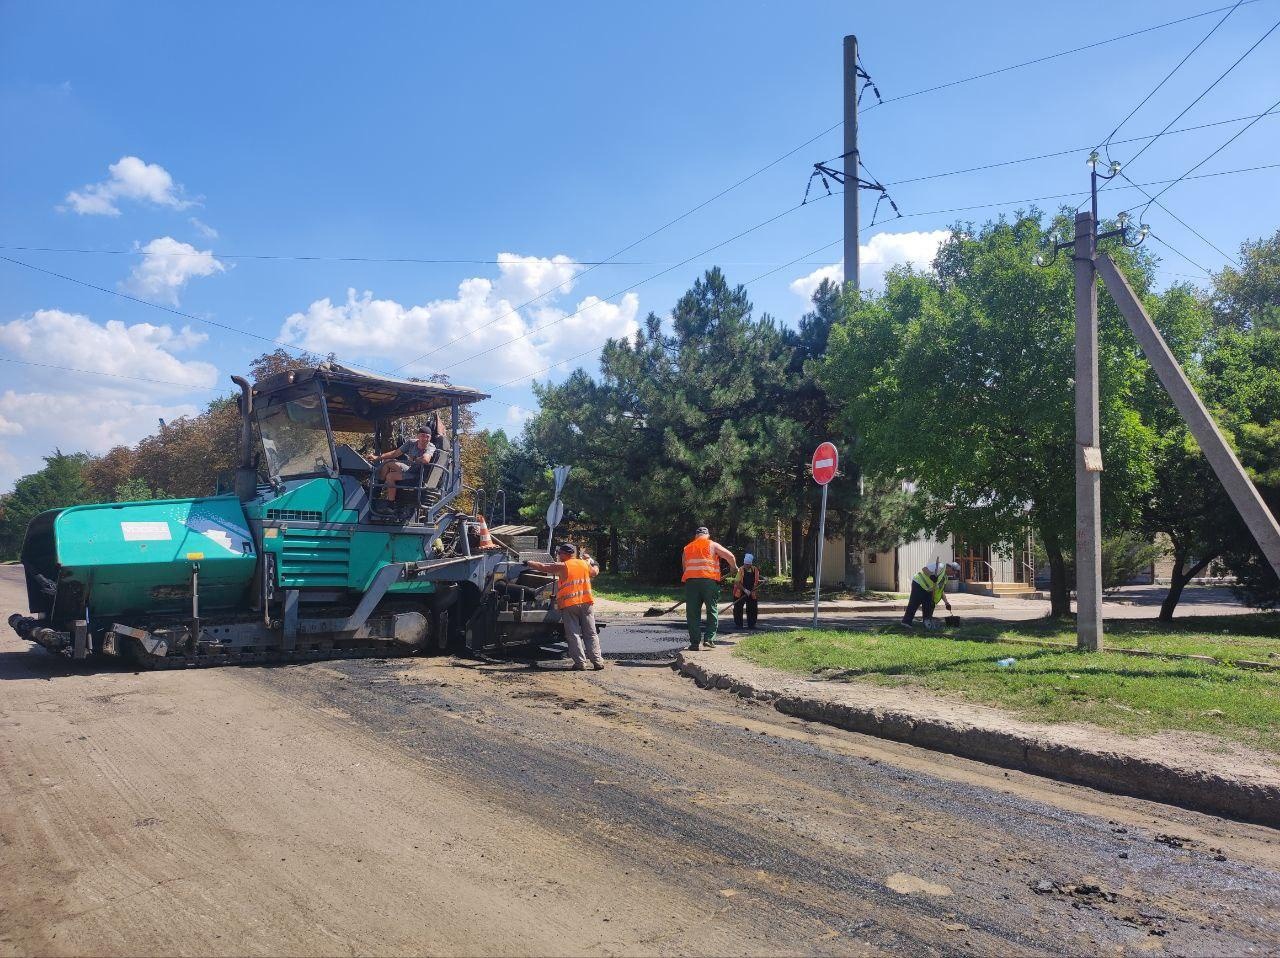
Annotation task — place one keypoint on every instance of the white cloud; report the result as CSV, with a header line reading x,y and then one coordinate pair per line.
x,y
8,428
131,179
203,228
167,266
517,416
141,351
877,257
482,317
76,417
531,276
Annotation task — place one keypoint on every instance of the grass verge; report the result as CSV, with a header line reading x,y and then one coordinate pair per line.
x,y
1130,694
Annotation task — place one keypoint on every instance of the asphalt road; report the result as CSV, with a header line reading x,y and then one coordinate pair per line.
x,y
517,807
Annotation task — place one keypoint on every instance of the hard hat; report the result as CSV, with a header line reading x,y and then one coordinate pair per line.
x,y
748,559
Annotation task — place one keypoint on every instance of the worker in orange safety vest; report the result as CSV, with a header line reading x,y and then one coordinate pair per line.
x,y
576,603
701,577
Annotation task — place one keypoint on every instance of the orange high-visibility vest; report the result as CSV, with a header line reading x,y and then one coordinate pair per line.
x,y
575,587
700,562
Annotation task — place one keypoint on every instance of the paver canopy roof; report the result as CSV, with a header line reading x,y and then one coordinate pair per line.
x,y
357,399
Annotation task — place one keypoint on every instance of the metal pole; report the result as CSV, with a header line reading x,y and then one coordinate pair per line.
x,y
851,160
851,195
1213,444
817,572
1088,457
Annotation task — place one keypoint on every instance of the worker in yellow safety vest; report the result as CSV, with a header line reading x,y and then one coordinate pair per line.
x,y
576,603
701,576
928,588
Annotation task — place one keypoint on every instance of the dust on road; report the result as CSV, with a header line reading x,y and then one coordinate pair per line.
x,y
435,806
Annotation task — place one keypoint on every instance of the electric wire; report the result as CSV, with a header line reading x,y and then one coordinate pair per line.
x,y
1204,239
98,372
624,291
1201,96
647,236
1106,144
1064,53
1070,152
1174,249
1235,136
600,346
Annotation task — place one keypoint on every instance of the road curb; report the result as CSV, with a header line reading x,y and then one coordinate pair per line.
x,y
1040,750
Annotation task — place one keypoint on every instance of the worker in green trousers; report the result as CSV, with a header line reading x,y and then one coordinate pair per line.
x,y
701,575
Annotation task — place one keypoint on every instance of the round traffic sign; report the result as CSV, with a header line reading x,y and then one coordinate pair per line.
x,y
825,463
555,513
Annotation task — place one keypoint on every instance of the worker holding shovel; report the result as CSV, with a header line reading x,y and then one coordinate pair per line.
x,y
701,577
928,588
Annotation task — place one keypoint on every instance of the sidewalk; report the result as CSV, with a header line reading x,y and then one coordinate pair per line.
x,y
1193,771
828,608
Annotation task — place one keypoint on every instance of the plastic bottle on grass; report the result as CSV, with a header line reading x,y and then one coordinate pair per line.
x,y
1007,663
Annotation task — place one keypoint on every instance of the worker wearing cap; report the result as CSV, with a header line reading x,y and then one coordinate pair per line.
x,y
928,588
746,589
701,576
576,603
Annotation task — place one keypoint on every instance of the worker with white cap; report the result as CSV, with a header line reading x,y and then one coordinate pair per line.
x,y
746,589
928,588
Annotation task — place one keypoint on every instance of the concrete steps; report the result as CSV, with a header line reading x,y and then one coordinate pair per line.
x,y
1002,590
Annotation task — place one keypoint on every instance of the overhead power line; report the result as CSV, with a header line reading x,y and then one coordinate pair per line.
x,y
1141,103
98,372
1071,152
1063,53
687,213
1235,136
1173,249
1205,92
623,292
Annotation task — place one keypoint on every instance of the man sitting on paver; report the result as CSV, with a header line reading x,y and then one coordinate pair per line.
x,y
928,588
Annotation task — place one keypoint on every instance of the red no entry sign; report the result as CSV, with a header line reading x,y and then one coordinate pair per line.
x,y
825,463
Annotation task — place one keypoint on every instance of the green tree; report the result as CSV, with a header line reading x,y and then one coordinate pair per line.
x,y
60,483
960,381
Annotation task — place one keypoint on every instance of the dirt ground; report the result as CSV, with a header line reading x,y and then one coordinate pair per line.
x,y
431,806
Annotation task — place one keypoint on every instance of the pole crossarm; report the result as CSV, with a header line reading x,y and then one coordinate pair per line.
x,y
1244,495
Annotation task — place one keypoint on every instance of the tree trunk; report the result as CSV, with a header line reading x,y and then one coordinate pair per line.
x,y
1059,588
1178,580
613,549
799,562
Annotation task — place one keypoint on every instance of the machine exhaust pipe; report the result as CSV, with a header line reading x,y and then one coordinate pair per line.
x,y
246,472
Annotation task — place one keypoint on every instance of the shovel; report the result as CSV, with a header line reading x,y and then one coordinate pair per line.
x,y
654,611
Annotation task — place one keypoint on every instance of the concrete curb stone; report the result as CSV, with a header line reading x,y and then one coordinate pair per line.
x,y
985,734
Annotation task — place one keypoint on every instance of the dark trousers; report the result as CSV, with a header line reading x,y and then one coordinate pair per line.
x,y
748,604
920,599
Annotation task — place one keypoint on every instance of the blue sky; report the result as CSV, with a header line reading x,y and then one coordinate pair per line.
x,y
191,136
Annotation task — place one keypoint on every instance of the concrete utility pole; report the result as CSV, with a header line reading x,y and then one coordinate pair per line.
x,y
1088,460
1243,493
851,190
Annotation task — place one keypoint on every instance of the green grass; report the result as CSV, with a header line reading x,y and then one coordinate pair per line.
x,y
1130,694
624,588
1226,637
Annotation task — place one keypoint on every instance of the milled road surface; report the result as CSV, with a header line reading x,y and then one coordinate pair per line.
x,y
431,806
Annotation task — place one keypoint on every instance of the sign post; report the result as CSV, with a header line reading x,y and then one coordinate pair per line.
x,y
555,511
825,462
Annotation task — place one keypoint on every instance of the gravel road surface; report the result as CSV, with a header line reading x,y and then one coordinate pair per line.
x,y
434,806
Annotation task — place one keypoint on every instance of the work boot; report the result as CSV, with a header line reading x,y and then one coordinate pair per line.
x,y
709,642
579,666
598,664
695,647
